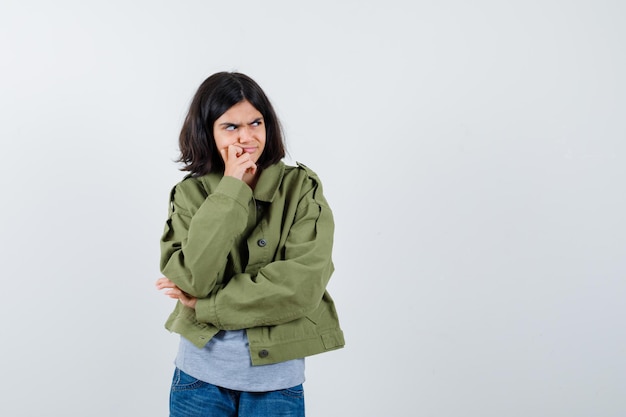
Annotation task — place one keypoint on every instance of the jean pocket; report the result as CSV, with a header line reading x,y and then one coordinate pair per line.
x,y
294,392
182,381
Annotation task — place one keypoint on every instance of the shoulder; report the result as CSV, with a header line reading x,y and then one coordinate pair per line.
x,y
301,171
308,180
188,195
188,187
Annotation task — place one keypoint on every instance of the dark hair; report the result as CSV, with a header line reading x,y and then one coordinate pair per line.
x,y
214,97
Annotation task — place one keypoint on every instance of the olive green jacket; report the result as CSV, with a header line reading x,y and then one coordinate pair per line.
x,y
256,260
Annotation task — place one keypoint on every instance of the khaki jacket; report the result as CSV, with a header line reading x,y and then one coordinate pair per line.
x,y
256,260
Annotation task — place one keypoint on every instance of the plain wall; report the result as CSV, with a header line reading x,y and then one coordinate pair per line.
x,y
473,153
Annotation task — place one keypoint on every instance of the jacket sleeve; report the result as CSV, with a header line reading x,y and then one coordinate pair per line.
x,y
200,232
283,290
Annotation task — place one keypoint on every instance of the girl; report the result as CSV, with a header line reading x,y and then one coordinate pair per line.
x,y
246,251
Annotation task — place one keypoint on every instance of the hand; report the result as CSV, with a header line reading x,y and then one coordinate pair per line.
x,y
237,163
175,292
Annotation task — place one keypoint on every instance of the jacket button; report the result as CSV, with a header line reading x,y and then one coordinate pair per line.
x,y
263,353
261,242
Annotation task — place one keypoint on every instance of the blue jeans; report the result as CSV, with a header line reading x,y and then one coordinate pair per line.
x,y
191,397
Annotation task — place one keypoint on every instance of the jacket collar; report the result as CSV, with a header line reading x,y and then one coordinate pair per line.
x,y
266,187
269,181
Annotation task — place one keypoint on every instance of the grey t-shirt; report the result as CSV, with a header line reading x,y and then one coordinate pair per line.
x,y
225,362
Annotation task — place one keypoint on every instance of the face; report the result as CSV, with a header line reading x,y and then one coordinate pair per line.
x,y
242,126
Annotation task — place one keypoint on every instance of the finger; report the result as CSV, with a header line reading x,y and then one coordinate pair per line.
x,y
160,282
187,300
234,151
164,285
252,169
173,293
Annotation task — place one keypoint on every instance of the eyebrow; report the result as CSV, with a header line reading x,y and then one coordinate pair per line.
x,y
258,119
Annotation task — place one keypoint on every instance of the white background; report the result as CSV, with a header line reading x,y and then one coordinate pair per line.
x,y
473,153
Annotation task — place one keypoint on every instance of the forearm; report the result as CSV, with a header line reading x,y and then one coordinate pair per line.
x,y
195,248
283,290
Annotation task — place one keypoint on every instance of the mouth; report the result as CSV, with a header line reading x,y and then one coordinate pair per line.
x,y
249,150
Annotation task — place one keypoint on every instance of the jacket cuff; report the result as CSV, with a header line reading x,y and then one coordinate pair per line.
x,y
205,310
235,189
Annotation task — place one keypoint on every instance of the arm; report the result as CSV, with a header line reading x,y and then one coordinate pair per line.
x,y
286,289
200,232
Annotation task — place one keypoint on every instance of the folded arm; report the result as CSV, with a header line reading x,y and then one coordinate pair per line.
x,y
283,290
195,243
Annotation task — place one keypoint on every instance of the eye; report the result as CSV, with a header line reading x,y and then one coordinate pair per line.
x,y
256,123
230,128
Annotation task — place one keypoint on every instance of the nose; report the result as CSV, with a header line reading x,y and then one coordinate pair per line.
x,y
245,135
